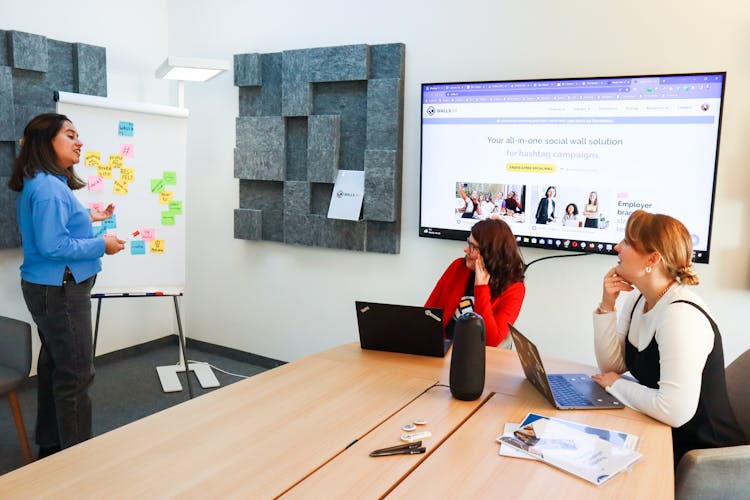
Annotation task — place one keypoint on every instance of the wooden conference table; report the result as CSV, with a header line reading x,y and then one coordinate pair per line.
x,y
305,429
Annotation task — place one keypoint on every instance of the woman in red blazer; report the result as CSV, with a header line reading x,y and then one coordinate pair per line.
x,y
487,280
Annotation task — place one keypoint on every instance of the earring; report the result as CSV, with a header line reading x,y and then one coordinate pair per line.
x,y
648,269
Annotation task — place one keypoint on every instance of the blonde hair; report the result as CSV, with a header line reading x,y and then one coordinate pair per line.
x,y
647,232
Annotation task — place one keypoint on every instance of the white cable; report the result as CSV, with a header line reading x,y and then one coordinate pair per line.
x,y
216,368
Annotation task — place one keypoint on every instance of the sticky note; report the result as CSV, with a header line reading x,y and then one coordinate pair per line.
x,y
127,150
92,158
99,231
96,183
167,218
97,205
165,197
127,174
157,246
126,129
115,160
137,247
170,178
157,185
120,187
175,207
104,171
148,234
110,223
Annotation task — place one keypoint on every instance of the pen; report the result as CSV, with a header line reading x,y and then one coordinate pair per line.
x,y
402,451
400,447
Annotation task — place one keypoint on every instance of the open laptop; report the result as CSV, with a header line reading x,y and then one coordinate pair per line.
x,y
404,329
566,391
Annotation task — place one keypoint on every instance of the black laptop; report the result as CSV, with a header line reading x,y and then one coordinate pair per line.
x,y
566,391
404,329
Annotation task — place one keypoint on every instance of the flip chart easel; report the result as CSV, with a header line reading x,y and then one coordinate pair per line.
x,y
168,373
135,157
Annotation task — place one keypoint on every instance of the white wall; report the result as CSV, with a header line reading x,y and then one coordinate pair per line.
x,y
135,36
286,302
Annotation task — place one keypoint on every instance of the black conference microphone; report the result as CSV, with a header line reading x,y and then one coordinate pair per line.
x,y
468,358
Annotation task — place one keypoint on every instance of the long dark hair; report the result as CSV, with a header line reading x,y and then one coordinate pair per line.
x,y
500,253
37,152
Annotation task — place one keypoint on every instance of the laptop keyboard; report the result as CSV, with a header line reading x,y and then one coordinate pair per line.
x,y
565,393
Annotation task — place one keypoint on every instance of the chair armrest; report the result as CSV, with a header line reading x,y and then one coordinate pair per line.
x,y
713,473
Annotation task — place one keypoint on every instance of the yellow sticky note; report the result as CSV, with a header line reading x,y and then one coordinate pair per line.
x,y
104,171
157,246
92,158
165,197
121,187
115,161
127,174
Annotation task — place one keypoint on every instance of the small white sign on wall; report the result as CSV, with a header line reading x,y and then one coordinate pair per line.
x,y
348,192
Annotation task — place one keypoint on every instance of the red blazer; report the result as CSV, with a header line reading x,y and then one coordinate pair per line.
x,y
496,311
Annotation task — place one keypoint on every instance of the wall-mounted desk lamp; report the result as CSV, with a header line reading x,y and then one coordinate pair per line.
x,y
189,69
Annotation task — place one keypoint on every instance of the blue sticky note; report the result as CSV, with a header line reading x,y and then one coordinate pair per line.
x,y
110,223
138,247
99,231
126,129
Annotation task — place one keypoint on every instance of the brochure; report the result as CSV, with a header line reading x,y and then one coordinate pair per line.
x,y
617,438
587,455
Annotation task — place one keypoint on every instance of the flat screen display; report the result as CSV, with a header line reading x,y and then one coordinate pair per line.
x,y
565,162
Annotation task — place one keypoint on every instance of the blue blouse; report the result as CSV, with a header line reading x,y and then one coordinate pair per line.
x,y
55,232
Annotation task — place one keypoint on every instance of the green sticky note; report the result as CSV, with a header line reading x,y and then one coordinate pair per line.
x,y
175,207
167,218
170,178
157,185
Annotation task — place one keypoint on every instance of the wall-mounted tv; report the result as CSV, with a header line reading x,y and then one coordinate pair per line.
x,y
566,161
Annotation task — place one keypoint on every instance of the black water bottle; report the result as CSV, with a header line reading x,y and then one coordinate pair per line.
x,y
468,358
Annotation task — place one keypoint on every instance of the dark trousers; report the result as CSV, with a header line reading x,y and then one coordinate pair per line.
x,y
66,361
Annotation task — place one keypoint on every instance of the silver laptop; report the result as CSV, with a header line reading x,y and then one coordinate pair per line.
x,y
404,329
566,391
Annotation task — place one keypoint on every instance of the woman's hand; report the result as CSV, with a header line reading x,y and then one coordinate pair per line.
x,y
97,216
611,288
113,245
606,379
481,276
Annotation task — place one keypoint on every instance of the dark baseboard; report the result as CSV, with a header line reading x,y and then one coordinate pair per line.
x,y
198,345
235,354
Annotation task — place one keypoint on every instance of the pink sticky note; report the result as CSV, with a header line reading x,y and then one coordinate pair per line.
x,y
97,205
96,183
127,150
148,234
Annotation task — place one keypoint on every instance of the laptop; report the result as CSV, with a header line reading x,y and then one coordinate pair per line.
x,y
404,329
566,391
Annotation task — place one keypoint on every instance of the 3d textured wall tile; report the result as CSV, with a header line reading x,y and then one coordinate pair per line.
x,y
32,68
306,114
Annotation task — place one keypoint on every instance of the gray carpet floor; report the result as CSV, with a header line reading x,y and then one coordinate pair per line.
x,y
127,388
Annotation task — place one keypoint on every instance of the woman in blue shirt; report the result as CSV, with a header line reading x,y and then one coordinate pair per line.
x,y
61,258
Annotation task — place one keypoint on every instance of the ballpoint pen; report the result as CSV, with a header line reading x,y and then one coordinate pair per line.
x,y
402,449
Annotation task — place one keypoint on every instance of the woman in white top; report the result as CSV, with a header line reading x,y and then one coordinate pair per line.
x,y
571,215
591,211
664,336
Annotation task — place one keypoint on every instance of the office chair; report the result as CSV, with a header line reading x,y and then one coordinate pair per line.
x,y
721,472
15,363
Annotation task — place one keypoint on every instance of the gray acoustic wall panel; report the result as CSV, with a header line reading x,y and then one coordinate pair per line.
x,y
306,114
7,116
28,51
32,68
89,69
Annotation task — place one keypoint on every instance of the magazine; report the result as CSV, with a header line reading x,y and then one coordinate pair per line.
x,y
567,447
617,438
